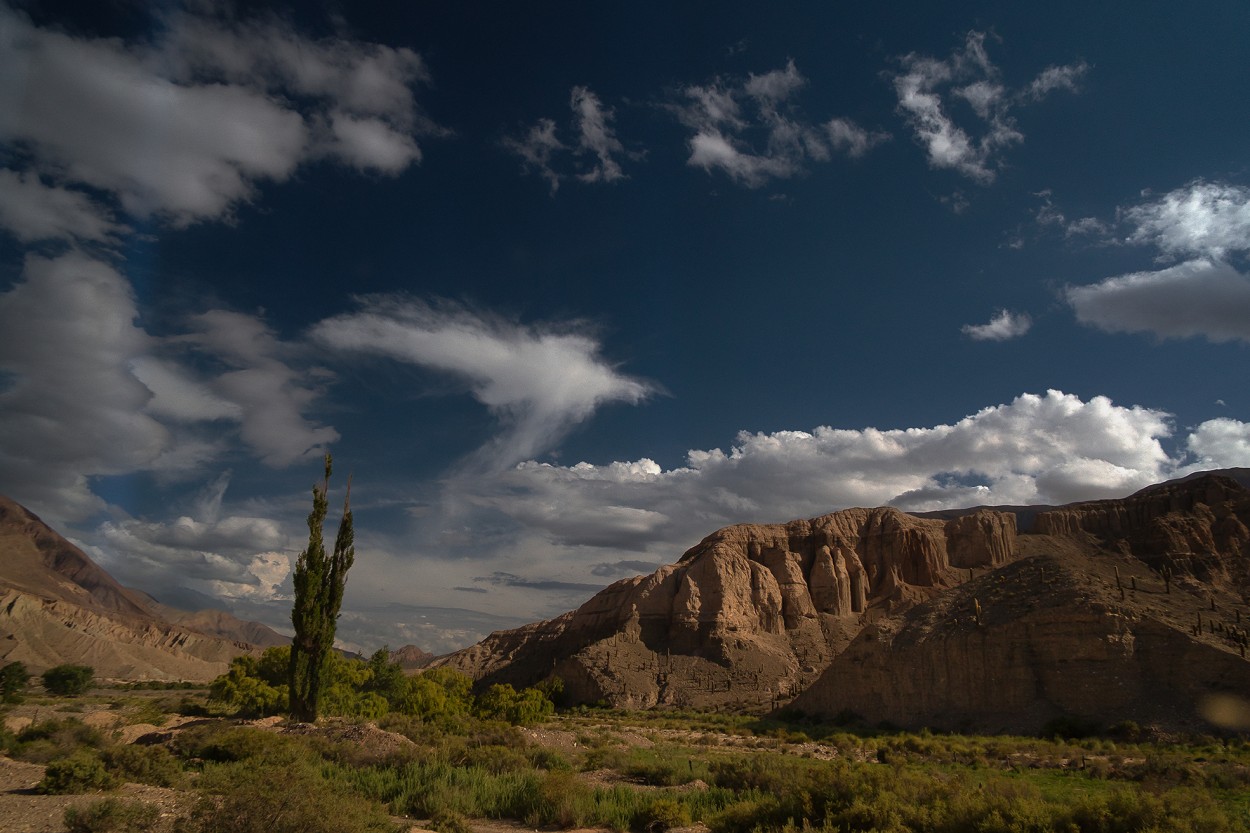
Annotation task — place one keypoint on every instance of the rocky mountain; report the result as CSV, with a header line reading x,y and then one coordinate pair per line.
x,y
748,617
58,606
947,622
410,657
1117,609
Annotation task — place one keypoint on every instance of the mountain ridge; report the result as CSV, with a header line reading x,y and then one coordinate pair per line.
x,y
58,606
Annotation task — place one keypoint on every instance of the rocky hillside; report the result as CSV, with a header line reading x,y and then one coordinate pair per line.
x,y
1118,609
748,617
955,622
58,606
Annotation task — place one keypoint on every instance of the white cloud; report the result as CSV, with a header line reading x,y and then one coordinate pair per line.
x,y
233,557
186,126
33,211
968,74
539,381
1051,448
74,410
1220,443
751,131
542,151
1004,325
110,399
1196,298
1207,219
1067,77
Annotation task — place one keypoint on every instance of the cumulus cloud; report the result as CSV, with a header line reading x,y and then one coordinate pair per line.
x,y
1197,298
1220,443
226,558
1002,326
1206,219
751,130
1050,448
595,156
185,126
1203,296
926,86
539,381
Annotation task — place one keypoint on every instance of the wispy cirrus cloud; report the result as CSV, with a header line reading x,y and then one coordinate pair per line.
x,y
926,88
594,157
750,129
539,380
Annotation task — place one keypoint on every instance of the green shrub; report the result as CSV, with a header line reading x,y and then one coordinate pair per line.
x,y
251,797
68,680
153,765
663,814
13,680
112,815
51,739
449,821
81,772
221,743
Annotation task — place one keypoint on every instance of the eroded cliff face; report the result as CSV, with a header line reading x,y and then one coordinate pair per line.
x,y
750,615
1134,609
1188,526
41,633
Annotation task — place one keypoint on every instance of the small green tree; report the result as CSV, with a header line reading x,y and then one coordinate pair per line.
x,y
68,680
13,680
319,582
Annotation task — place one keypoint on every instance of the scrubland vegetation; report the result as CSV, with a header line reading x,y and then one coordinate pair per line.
x,y
426,748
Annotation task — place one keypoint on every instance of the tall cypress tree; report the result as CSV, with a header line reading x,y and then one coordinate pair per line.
x,y
319,583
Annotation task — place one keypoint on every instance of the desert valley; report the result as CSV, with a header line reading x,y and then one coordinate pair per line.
x,y
837,637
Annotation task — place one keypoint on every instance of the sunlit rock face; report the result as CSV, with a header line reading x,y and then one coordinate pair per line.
x,y
750,615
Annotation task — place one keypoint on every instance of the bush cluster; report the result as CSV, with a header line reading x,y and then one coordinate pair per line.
x,y
371,689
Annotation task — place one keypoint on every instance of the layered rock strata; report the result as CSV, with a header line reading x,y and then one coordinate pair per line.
x,y
58,606
750,615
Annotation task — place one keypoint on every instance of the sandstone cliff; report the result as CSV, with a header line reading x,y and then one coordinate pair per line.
x,y
1133,609
59,606
750,615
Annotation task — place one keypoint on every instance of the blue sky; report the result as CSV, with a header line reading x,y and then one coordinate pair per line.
x,y
566,289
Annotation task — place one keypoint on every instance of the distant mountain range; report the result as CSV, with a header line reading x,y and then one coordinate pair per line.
x,y
59,606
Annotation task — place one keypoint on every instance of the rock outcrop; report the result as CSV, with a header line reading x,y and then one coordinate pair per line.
x,y
1195,527
750,615
58,606
1132,609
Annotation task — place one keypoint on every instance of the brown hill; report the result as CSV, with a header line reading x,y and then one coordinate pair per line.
x,y
749,616
1118,609
59,606
410,657
875,611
